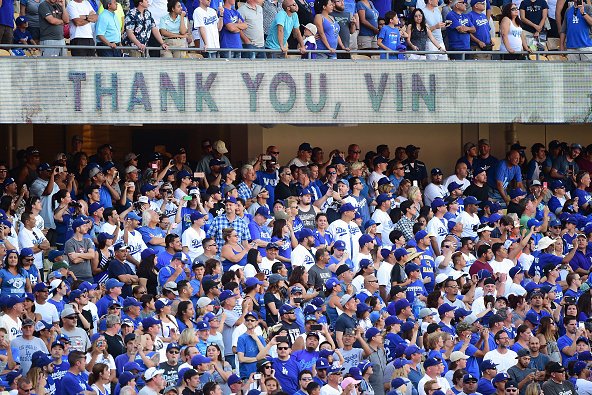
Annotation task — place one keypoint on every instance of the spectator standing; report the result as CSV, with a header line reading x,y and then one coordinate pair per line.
x,y
108,30
82,26
328,29
459,28
30,10
45,187
368,15
173,29
254,38
139,26
80,250
6,22
433,19
284,24
481,39
512,35
232,30
53,15
347,27
207,22
533,14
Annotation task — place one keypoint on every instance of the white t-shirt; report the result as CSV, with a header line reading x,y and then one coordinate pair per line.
x,y
384,275
385,228
12,327
106,227
441,380
438,227
136,245
349,233
328,390
266,265
48,311
584,387
303,257
46,212
432,18
470,224
208,19
503,361
108,360
158,9
433,191
75,10
464,182
192,239
28,239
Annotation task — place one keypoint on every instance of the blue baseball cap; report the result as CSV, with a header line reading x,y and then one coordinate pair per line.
x,y
53,254
39,359
78,222
133,216
103,236
469,377
196,215
304,233
397,382
383,197
557,184
226,294
179,256
112,283
355,372
331,283
147,252
453,186
516,193
445,308
147,188
322,363
400,305
471,200
149,321
437,202
431,362
420,235
176,346
199,359
263,211
411,267
365,238
500,377
286,308
488,364
346,207
339,245
230,199
400,253
392,320
369,223
129,366
252,281
131,301
125,378
182,174
94,207
20,20
26,253
400,362
203,326
379,159
44,167
412,349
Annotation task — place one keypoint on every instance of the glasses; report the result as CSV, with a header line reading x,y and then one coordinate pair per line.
x,y
353,152
251,320
267,367
210,245
27,390
3,170
29,259
332,172
72,317
275,153
373,281
511,390
286,173
283,348
306,379
513,9
173,352
142,293
436,389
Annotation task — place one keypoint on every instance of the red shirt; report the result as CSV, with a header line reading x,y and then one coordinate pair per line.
x,y
478,265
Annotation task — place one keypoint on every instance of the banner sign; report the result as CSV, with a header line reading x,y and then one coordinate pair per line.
x,y
189,91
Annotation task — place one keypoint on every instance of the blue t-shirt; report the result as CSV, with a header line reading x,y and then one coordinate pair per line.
x,y
540,261
481,26
331,30
371,14
562,342
247,345
229,39
148,233
269,181
583,196
577,29
286,372
428,268
19,35
505,174
7,14
457,40
414,289
391,37
288,22
472,363
260,233
11,284
74,384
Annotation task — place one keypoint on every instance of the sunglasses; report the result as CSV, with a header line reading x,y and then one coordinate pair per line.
x,y
251,320
283,348
173,352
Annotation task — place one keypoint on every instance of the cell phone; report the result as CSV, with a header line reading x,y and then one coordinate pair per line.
x,y
283,339
187,197
198,174
130,184
257,376
154,166
171,162
448,23
266,157
415,183
60,169
316,327
298,300
545,184
581,325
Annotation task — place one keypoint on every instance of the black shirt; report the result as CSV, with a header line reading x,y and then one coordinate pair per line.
x,y
480,193
115,345
283,191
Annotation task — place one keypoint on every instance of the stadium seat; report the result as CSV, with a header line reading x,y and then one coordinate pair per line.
x,y
496,13
356,56
552,44
496,27
4,52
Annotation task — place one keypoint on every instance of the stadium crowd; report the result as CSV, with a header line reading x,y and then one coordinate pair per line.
x,y
223,28
327,274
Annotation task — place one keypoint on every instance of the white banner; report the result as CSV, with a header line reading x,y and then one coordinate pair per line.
x,y
189,91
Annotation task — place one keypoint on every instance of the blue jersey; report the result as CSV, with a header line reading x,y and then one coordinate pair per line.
x,y
230,39
260,233
391,38
13,284
540,261
74,384
147,235
428,268
481,26
456,40
286,372
577,29
414,289
269,181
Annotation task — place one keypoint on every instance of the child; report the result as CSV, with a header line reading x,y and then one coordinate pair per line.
x,y
310,43
21,34
389,37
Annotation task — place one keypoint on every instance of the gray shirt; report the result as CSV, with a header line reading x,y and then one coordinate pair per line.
x,y
47,30
517,375
231,318
26,348
254,19
550,387
81,270
78,339
317,277
343,19
378,358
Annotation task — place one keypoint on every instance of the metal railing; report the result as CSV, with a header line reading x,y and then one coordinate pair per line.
x,y
220,52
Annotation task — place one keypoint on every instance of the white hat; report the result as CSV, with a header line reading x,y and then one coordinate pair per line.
x,y
54,284
150,373
143,199
130,169
440,278
220,147
171,286
458,355
312,28
456,274
235,267
485,228
544,243
203,302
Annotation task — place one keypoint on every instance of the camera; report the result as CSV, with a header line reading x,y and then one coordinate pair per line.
x,y
74,204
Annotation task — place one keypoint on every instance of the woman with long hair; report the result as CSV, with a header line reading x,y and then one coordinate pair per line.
x,y
322,238
281,236
419,34
183,182
299,278
219,369
523,334
77,165
366,269
414,194
254,289
98,354
147,273
29,306
274,298
368,17
457,381
185,315
547,335
100,378
254,258
518,305
332,300
233,252
188,337
402,191
513,38
105,253
584,305
62,215
212,267
40,373
13,278
327,29
26,259
169,329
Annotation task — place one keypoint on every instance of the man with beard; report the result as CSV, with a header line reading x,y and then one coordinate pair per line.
x,y
288,321
307,358
286,367
170,367
479,188
521,373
